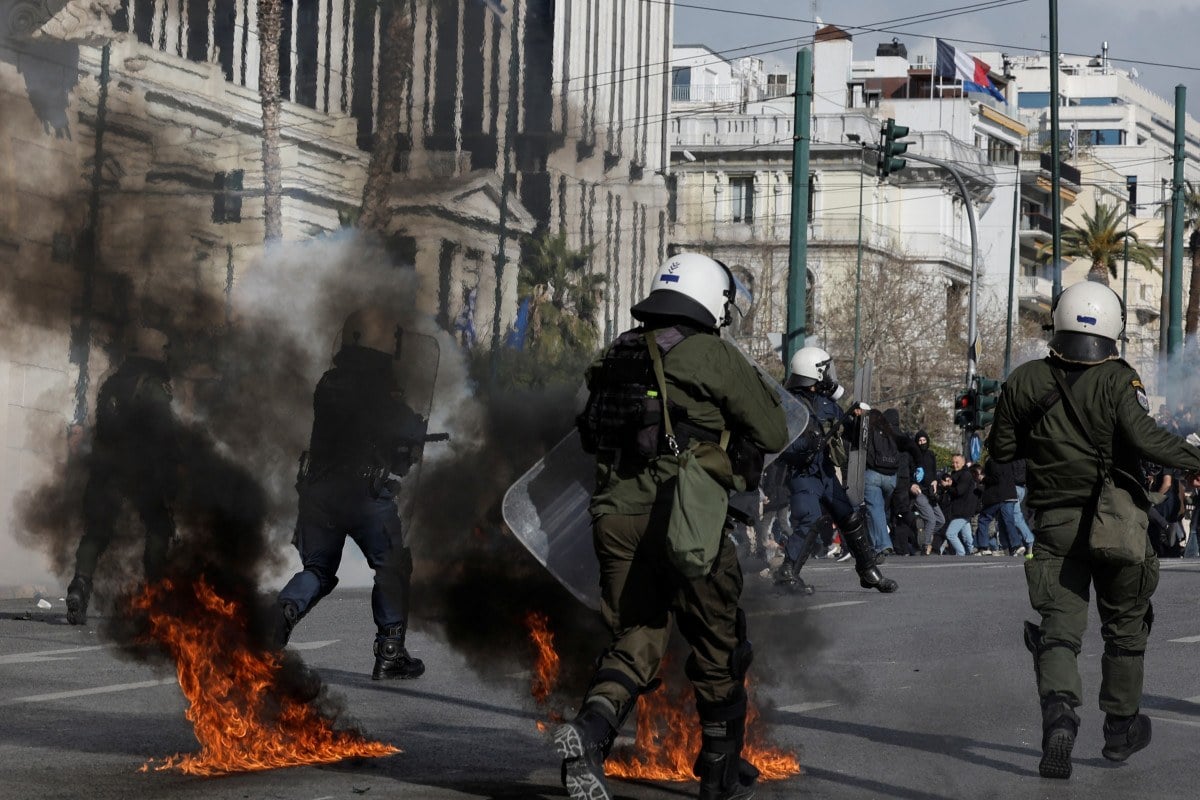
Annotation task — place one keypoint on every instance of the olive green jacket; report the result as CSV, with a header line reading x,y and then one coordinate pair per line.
x,y
1062,466
719,389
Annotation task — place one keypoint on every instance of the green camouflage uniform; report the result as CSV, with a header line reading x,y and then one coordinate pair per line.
x,y
640,591
1062,476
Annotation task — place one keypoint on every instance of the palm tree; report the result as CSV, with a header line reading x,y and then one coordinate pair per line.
x,y
565,298
270,27
1191,219
395,67
1101,239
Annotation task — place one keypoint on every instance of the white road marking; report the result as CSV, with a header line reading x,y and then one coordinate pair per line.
x,y
1186,640
776,612
1189,722
311,645
804,708
46,655
117,687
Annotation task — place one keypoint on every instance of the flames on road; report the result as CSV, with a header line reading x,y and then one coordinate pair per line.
x,y
547,664
244,715
668,733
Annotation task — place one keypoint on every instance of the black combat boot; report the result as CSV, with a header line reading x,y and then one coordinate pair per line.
x,y
78,594
1059,727
854,535
786,573
1124,736
723,773
583,744
283,621
391,659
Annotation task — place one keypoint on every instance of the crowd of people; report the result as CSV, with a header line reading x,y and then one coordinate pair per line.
x,y
918,507
1177,516
915,506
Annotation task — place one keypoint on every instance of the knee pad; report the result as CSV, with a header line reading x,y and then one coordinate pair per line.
x,y
856,523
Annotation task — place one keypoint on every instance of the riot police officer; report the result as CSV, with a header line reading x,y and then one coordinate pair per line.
x,y
364,438
711,391
815,488
135,456
1070,443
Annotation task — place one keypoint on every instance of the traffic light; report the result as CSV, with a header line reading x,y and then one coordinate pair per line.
x,y
890,148
987,398
965,409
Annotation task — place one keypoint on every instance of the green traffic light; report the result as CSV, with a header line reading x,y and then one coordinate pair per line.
x,y
889,148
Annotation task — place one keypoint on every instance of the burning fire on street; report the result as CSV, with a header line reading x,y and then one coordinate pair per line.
x,y
244,716
668,736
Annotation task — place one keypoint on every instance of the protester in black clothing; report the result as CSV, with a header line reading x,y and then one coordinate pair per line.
x,y
900,511
924,493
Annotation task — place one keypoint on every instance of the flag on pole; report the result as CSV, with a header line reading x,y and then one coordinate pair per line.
x,y
961,65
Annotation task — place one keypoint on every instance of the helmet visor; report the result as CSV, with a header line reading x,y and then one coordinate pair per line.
x,y
740,303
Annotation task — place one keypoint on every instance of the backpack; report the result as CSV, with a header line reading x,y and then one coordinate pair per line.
x,y
882,454
623,411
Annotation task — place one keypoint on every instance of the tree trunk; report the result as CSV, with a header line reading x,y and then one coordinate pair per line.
x,y
395,64
1098,273
1192,318
270,26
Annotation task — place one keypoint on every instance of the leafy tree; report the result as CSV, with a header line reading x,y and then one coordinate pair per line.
x,y
1101,238
565,300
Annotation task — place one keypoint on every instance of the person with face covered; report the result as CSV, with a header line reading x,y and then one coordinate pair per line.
x,y
815,488
923,490
365,437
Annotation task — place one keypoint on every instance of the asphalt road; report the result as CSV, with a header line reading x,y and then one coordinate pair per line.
x,y
926,694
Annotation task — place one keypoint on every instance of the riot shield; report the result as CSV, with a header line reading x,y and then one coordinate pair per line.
x,y
856,461
415,369
547,507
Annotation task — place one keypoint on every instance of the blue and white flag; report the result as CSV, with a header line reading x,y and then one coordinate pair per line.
x,y
961,65
495,5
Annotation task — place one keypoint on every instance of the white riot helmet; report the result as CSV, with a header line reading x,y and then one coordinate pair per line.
x,y
1088,321
693,286
812,366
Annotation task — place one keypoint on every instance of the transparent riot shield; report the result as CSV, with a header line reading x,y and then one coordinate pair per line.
x,y
856,459
416,371
547,507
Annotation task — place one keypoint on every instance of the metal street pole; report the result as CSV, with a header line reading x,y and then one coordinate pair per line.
x,y
1175,331
972,332
858,268
89,255
1125,280
1055,171
1012,265
798,255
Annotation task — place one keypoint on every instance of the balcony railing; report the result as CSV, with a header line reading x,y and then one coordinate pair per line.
x,y
702,93
1067,172
1032,221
